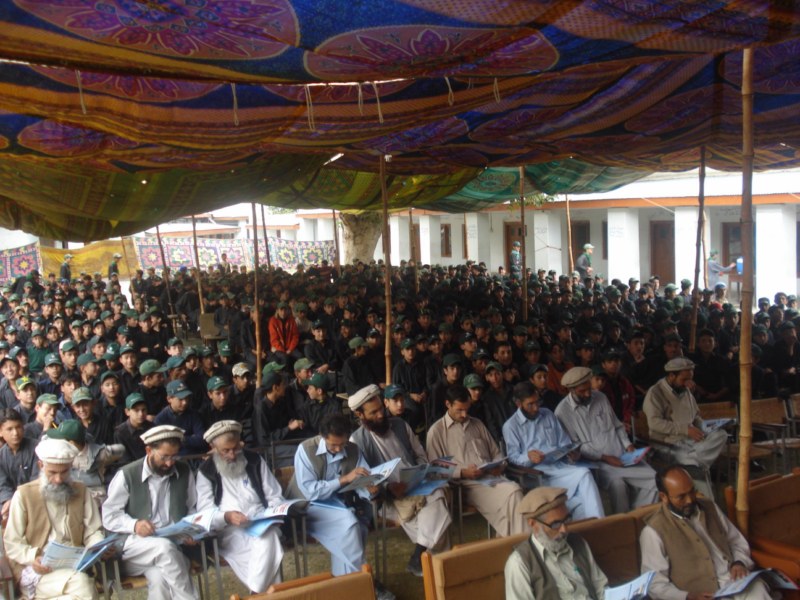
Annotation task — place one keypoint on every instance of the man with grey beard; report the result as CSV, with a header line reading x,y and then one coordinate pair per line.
x,y
51,508
551,563
239,483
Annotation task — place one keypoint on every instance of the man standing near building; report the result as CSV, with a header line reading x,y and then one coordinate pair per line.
x,y
148,494
716,270
52,508
239,483
551,564
589,419
425,519
692,546
515,261
531,434
66,271
584,263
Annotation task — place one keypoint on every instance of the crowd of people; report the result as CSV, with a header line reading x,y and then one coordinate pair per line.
x,y
108,414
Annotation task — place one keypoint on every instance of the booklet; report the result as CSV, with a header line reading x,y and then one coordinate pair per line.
x,y
712,425
556,455
634,458
377,476
632,590
491,466
270,516
422,479
194,526
77,558
772,577
332,502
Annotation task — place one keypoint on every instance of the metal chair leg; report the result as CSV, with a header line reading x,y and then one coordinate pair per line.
x,y
305,548
296,549
215,546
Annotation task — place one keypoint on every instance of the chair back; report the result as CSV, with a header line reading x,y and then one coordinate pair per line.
x,y
718,410
768,410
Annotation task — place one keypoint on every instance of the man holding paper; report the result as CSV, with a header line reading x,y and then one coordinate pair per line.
x,y
588,418
148,494
239,483
52,508
692,546
425,518
535,439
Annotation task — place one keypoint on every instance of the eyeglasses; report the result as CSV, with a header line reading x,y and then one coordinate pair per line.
x,y
556,525
171,458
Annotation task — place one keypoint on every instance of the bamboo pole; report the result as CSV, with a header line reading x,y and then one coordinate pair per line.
x,y
336,260
701,201
745,349
524,273
256,317
569,237
387,288
197,263
413,243
127,264
165,275
266,239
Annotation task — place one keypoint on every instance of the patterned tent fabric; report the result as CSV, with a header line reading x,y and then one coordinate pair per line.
x,y
211,103
18,262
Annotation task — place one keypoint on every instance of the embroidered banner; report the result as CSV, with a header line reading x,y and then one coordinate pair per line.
x,y
18,262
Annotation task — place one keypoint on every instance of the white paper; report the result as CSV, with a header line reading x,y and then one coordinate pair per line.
x,y
194,526
711,425
78,558
556,455
632,590
377,476
634,458
491,466
775,580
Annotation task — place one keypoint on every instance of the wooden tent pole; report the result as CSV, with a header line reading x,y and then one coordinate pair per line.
x,y
127,264
256,316
172,314
337,261
524,273
569,237
197,264
387,287
266,239
701,201
413,243
745,349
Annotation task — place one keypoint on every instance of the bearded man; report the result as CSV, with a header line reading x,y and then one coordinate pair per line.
x,y
51,508
425,519
551,563
239,483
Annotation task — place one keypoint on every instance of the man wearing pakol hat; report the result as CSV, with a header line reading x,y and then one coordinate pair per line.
x,y
323,465
583,265
470,444
425,519
531,433
240,484
551,563
51,508
692,546
588,418
673,417
148,494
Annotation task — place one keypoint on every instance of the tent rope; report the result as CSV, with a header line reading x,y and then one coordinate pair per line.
x,y
80,91
450,96
378,102
310,111
235,105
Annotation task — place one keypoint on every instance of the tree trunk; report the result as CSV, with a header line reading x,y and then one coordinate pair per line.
x,y
361,233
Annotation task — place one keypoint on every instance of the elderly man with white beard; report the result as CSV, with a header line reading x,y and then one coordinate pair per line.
x,y
51,508
551,564
239,483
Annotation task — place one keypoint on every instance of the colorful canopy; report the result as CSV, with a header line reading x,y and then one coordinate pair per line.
x,y
120,114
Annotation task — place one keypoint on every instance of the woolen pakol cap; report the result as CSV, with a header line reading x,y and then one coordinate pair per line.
x,y
161,433
541,500
678,364
220,428
56,452
363,395
576,376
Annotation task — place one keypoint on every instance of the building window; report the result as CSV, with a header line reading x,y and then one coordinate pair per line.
x,y
447,246
464,240
731,242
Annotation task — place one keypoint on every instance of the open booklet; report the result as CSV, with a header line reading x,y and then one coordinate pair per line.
x,y
711,425
270,516
556,455
632,590
377,475
77,558
423,479
772,577
195,526
634,458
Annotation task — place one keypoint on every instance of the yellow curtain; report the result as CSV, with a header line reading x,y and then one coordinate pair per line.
x,y
94,257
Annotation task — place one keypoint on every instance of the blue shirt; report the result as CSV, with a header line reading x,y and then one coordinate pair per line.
x,y
323,489
192,425
544,433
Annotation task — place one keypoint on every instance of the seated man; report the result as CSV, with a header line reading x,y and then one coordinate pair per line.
x,y
51,508
18,462
470,444
673,418
147,494
323,465
425,519
239,483
588,418
178,413
551,563
531,433
691,545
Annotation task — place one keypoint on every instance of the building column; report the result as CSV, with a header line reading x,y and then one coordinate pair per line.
x,y
430,239
624,260
776,250
547,241
478,246
399,238
686,244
